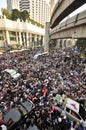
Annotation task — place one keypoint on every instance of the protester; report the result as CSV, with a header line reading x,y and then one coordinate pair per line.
x,y
58,72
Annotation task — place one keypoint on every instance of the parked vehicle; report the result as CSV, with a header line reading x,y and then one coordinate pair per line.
x,y
16,116
40,54
74,111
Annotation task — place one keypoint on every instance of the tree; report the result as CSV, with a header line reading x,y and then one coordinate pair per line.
x,y
6,13
15,14
32,21
81,43
24,15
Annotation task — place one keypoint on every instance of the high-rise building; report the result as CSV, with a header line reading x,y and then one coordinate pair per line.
x,y
12,4
24,5
39,10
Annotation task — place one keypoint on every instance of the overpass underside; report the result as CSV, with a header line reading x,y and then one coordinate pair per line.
x,y
63,9
76,32
74,27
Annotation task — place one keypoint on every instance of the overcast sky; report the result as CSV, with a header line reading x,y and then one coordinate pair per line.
x,y
3,3
82,8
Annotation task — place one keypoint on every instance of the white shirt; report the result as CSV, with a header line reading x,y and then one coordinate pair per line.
x,y
3,127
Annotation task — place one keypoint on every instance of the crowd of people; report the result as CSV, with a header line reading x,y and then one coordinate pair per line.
x,y
57,72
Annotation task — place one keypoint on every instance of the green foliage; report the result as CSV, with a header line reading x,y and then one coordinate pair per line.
x,y
28,19
42,26
39,25
16,47
6,13
35,23
15,14
32,21
81,43
24,15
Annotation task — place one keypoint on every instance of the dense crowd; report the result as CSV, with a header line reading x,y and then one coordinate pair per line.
x,y
58,72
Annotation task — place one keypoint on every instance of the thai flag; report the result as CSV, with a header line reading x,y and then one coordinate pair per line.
x,y
44,91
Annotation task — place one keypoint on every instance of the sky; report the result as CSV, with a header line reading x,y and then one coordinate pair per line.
x,y
4,5
82,8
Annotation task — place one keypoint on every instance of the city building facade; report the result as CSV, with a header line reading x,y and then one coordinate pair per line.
x,y
12,4
39,10
21,33
24,5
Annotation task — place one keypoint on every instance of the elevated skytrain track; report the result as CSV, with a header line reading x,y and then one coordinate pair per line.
x,y
62,9
74,27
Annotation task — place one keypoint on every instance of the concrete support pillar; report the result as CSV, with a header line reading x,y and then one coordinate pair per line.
x,y
27,39
35,40
17,41
41,40
73,41
41,43
4,36
20,39
58,44
33,46
30,39
24,40
67,43
63,44
8,37
47,31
